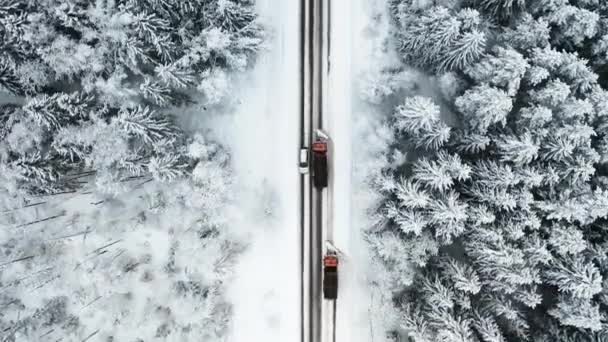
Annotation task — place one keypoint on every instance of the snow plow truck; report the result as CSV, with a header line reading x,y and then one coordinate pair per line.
x,y
330,276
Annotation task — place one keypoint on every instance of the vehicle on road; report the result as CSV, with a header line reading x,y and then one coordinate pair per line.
x,y
330,276
319,163
303,161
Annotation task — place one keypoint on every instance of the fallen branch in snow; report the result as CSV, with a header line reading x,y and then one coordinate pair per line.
x,y
97,252
41,220
33,274
17,260
24,207
91,335
131,178
105,246
11,331
130,267
58,193
71,235
142,183
80,175
93,301
9,303
46,333
44,284
116,256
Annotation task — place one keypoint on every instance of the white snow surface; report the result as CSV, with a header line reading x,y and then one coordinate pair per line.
x,y
263,136
358,33
337,122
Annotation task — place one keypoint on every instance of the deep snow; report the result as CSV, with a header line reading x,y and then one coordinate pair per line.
x,y
337,121
358,30
264,136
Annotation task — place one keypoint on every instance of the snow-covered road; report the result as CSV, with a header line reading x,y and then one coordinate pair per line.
x,y
264,138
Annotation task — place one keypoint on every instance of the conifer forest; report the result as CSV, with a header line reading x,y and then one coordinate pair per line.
x,y
149,185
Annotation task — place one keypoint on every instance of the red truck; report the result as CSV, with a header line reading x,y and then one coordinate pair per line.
x,y
330,276
319,163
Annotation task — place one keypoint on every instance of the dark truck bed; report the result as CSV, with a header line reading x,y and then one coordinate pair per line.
x,y
319,164
330,277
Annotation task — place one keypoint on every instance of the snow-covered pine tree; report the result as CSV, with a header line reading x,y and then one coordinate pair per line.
x,y
520,229
83,64
89,90
484,106
439,39
418,117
